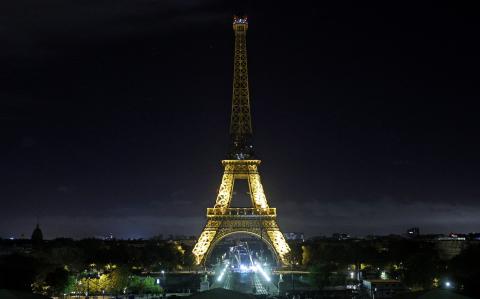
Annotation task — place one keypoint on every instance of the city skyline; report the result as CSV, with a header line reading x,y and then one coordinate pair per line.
x,y
117,124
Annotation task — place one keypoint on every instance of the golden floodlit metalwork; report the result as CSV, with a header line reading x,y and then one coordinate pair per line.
x,y
224,220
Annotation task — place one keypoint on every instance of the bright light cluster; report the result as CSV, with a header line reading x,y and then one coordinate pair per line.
x,y
243,268
220,277
259,268
383,275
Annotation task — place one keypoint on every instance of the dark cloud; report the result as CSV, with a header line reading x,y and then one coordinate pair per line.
x,y
44,31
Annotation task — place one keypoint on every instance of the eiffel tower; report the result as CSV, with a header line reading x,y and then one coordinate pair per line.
x,y
241,164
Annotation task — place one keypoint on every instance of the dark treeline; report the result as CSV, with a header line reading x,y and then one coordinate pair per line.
x,y
416,263
61,265
115,266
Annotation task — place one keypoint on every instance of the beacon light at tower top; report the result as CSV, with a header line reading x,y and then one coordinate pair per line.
x,y
240,20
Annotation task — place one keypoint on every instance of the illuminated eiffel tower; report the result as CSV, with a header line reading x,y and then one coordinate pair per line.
x,y
260,219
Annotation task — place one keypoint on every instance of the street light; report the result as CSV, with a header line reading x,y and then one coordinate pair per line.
x,y
383,275
164,282
163,277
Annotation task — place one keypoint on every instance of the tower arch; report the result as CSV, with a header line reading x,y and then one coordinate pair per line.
x,y
227,233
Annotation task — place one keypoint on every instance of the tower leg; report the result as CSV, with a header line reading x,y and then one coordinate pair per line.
x,y
205,240
277,240
224,196
281,247
256,189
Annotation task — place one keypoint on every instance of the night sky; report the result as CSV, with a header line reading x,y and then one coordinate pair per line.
x,y
114,114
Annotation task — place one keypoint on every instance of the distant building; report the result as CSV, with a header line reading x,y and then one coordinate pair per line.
x,y
380,288
474,236
189,241
294,236
340,236
456,236
413,232
451,246
37,236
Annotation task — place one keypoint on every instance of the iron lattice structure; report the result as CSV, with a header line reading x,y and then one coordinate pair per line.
x,y
223,220
241,146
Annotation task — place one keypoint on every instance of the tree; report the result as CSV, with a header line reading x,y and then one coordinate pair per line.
x,y
57,281
18,272
144,285
421,264
119,279
70,285
137,285
322,275
188,259
296,254
465,269
151,287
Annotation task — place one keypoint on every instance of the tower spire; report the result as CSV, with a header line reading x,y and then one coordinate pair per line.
x,y
241,146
